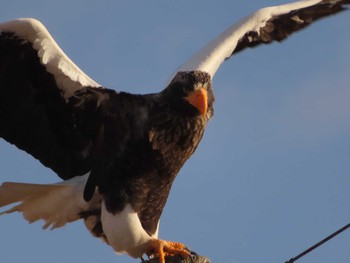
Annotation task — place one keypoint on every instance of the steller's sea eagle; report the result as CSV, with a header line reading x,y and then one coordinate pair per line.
x,y
117,153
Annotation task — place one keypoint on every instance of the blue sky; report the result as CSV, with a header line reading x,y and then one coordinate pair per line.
x,y
272,174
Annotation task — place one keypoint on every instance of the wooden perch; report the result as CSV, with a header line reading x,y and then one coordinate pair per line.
x,y
178,259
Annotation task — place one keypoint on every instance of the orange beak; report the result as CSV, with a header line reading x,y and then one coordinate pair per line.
x,y
199,99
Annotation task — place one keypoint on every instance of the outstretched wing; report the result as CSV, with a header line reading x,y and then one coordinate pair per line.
x,y
37,84
262,27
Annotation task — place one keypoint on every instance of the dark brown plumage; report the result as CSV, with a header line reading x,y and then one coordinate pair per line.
x,y
278,28
134,145
118,153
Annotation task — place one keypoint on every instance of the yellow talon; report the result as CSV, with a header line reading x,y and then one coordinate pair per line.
x,y
161,248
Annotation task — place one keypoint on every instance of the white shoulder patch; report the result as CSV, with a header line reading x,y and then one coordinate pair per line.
x,y
69,77
212,55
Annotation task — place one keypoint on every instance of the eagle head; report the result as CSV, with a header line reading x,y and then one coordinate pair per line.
x,y
191,94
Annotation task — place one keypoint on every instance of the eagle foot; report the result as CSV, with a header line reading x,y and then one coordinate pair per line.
x,y
161,249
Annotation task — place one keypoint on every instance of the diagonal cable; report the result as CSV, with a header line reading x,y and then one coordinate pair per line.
x,y
292,260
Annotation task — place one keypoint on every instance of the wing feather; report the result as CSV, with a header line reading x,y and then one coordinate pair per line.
x,y
47,104
69,77
262,27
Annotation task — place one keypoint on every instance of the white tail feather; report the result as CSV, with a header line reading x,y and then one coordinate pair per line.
x,y
56,204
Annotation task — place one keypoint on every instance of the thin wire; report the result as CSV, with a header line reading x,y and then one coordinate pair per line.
x,y
292,260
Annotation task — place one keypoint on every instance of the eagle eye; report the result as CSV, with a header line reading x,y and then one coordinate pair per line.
x,y
185,89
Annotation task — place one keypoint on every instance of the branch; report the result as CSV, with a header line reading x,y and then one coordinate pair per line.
x,y
178,259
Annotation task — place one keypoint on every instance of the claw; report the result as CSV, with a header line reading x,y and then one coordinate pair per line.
x,y
161,249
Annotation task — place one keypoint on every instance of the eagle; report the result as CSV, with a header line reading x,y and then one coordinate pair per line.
x,y
117,153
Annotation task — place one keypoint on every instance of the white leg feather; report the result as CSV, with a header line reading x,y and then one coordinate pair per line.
x,y
124,231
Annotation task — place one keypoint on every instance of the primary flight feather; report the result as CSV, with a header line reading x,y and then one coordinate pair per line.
x,y
117,153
